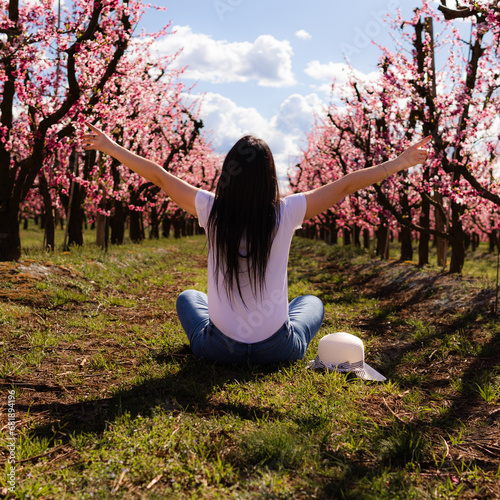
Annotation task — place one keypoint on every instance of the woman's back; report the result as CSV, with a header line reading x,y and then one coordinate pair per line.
x,y
246,314
245,210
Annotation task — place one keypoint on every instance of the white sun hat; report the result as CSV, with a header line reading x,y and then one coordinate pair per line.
x,y
344,352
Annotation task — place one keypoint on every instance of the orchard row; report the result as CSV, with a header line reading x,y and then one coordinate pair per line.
x,y
86,63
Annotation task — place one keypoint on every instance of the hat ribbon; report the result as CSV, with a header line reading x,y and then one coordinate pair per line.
x,y
341,367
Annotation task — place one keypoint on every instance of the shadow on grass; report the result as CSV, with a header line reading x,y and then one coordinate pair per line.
x,y
483,368
187,389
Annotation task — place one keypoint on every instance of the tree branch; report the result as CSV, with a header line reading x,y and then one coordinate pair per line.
x,y
481,190
435,204
404,221
462,13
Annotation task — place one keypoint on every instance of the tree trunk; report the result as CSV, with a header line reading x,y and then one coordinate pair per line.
x,y
177,227
74,207
475,241
457,240
382,234
42,219
117,223
75,216
356,235
75,223
184,225
467,241
406,244
333,228
441,243
366,239
423,237
405,233
136,229
166,227
10,241
191,223
102,233
492,239
328,237
347,236
49,222
154,228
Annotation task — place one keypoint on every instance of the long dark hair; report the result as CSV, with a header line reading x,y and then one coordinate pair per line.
x,y
246,206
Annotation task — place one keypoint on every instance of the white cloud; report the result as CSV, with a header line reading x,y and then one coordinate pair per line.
x,y
296,114
267,61
340,72
229,122
285,132
303,35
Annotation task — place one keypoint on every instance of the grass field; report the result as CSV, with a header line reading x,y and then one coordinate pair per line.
x,y
110,402
481,264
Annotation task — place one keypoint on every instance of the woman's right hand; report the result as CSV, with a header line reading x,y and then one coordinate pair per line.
x,y
414,155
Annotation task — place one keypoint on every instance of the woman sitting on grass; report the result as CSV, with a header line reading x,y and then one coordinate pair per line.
x,y
245,318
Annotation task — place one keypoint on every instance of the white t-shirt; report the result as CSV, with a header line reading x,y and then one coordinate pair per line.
x,y
263,315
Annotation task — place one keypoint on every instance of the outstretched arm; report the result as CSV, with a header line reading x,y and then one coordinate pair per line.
x,y
322,198
178,190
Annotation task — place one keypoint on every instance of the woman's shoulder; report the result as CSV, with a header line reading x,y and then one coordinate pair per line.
x,y
204,194
293,200
292,197
203,201
293,208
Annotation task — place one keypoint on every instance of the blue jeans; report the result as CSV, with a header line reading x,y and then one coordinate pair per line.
x,y
289,343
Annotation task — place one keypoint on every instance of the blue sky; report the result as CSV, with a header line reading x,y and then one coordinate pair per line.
x,y
266,67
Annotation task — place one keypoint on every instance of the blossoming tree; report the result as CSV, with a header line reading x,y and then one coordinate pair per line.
x,y
458,104
45,79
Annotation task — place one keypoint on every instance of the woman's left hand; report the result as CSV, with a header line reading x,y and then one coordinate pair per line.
x,y
97,140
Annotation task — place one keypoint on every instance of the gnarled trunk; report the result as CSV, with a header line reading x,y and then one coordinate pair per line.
x,y
10,241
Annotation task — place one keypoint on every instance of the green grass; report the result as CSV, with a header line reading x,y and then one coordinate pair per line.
x,y
481,263
111,404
